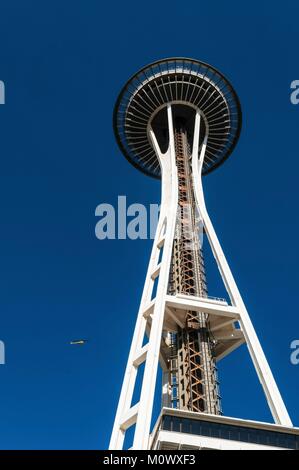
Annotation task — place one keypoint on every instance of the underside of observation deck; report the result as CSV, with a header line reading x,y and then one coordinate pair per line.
x,y
176,81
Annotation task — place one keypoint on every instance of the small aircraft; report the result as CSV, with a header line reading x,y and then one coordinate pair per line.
x,y
78,341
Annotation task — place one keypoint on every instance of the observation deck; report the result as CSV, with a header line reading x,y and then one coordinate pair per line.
x,y
188,85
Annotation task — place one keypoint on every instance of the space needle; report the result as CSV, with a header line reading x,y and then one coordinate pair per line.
x,y
177,120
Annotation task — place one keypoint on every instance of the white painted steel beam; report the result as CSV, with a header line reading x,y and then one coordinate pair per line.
x,y
200,305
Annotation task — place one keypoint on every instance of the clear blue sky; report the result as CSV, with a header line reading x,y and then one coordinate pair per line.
x,y
63,64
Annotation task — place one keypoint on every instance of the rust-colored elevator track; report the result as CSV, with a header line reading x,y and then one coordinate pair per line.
x,y
193,375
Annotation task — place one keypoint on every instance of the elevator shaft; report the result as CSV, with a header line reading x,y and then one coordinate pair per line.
x,y
193,374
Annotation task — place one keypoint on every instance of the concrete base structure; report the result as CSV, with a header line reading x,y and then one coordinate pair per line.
x,y
185,430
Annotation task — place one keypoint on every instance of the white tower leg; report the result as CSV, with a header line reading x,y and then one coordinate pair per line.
x,y
141,413
276,404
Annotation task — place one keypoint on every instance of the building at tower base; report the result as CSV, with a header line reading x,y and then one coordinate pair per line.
x,y
187,430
